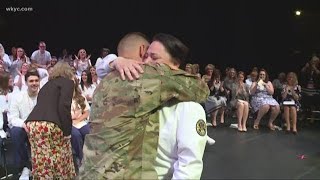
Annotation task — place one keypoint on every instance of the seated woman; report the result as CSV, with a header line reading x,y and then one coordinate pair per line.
x,y
5,99
93,72
188,68
230,81
80,127
278,86
291,94
86,85
209,70
240,101
19,81
262,100
216,101
310,74
196,70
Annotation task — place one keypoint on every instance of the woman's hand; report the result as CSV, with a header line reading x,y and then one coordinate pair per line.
x,y
76,121
67,137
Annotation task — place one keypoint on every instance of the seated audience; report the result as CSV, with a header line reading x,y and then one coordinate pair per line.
x,y
209,70
262,100
310,74
82,61
19,81
240,101
80,127
93,72
41,57
229,81
19,110
196,70
216,100
252,78
291,94
18,62
4,59
86,85
188,68
278,85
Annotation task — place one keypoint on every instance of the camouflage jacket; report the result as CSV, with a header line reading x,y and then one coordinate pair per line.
x,y
124,121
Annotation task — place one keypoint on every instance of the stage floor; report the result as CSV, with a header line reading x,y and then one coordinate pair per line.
x,y
255,154
262,154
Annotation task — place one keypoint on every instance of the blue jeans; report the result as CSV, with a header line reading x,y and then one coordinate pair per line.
x,y
77,140
21,147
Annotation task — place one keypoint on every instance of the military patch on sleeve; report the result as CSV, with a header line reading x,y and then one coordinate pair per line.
x,y
201,127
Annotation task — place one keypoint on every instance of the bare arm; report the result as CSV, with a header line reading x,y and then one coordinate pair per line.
x,y
83,117
253,87
269,88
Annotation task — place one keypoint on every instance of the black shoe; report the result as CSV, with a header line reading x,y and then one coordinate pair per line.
x,y
287,131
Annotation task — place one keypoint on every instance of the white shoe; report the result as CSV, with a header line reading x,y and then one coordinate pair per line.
x,y
25,174
210,141
209,124
234,126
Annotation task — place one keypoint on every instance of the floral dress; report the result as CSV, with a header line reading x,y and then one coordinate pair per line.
x,y
261,97
51,153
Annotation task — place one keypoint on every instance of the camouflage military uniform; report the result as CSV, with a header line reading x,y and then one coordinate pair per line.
x,y
124,120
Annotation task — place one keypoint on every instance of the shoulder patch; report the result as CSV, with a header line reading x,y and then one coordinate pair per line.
x,y
201,127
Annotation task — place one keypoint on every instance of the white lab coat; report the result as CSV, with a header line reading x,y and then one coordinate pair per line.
x,y
181,148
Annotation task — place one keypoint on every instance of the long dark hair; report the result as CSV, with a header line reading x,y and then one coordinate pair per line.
x,y
267,75
174,47
89,78
78,95
4,83
216,73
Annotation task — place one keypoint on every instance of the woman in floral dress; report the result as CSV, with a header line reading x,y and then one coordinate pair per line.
x,y
49,127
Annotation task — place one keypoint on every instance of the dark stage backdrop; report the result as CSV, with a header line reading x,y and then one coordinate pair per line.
x,y
241,34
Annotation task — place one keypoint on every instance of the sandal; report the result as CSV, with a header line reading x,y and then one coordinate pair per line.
x,y
271,127
256,126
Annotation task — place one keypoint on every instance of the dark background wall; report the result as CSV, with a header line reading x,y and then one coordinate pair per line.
x,y
240,33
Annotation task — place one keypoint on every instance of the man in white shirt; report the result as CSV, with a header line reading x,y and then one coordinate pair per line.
x,y
104,53
41,57
102,65
19,110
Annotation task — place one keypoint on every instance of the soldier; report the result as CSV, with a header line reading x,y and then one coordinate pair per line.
x,y
126,141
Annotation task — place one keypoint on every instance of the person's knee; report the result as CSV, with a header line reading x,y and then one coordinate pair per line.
x,y
17,130
75,133
18,134
240,105
264,108
275,109
293,108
